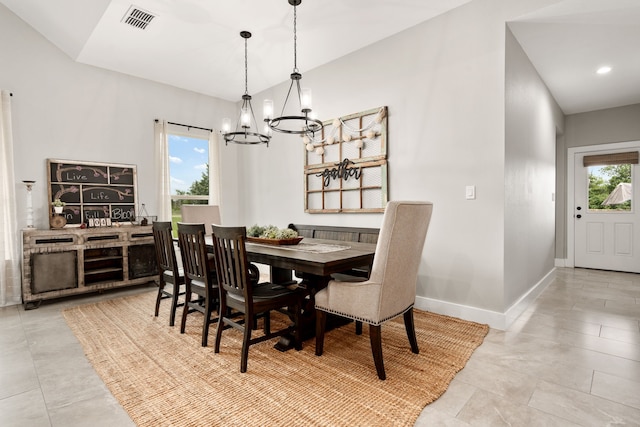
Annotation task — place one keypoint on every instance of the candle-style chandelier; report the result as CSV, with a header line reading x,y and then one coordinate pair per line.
x,y
246,130
302,124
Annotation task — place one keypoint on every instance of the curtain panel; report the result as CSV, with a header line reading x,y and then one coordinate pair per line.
x,y
161,139
10,278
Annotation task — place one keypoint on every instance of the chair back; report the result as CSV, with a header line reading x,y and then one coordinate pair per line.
x,y
165,251
193,249
398,254
232,266
201,214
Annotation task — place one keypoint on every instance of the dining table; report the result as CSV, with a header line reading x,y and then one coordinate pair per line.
x,y
312,262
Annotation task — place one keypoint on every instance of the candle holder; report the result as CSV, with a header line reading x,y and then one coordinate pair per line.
x,y
29,185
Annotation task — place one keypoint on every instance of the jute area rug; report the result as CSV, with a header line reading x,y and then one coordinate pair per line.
x,y
164,378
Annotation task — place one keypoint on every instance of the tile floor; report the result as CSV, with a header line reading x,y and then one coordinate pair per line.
x,y
572,359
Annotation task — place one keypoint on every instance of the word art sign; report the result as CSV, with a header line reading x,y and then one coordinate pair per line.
x,y
341,171
346,166
96,194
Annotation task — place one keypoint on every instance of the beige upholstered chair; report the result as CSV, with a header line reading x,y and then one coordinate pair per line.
x,y
391,288
201,214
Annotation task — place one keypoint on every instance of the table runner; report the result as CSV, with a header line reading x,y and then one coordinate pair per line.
x,y
316,248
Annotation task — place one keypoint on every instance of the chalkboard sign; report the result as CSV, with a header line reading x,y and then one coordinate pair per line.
x,y
93,190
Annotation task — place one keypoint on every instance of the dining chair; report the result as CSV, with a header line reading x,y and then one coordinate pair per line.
x,y
196,214
390,290
237,293
171,271
199,277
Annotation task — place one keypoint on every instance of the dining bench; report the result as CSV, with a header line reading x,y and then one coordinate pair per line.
x,y
343,234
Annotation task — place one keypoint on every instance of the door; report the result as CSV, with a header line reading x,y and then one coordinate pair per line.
x,y
607,210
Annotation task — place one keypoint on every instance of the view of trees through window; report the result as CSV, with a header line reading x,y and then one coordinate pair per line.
x,y
610,187
189,170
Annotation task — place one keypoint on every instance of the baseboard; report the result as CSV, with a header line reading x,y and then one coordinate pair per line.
x,y
494,319
563,262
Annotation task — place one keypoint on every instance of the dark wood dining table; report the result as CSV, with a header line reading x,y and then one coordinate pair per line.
x,y
314,267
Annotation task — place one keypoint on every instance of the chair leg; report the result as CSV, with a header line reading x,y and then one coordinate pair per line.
x,y
245,345
174,304
219,332
297,333
411,330
185,311
376,348
358,327
266,317
321,322
159,297
208,309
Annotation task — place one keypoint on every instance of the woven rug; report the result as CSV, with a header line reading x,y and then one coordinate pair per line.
x,y
164,378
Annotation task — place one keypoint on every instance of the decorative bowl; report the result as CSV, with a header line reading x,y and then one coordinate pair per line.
x,y
277,242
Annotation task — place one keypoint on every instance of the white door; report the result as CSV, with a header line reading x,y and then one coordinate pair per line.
x,y
606,227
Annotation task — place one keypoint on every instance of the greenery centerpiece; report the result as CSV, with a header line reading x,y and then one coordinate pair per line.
x,y
271,234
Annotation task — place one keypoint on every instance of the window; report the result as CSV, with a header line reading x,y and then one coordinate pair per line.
x,y
188,169
187,159
610,187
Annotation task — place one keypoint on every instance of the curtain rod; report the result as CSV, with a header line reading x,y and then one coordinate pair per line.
x,y
188,126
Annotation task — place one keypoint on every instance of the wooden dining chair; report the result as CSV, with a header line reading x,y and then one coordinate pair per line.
x,y
237,293
171,273
390,290
200,279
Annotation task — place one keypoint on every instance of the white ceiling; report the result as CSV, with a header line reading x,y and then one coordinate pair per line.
x,y
195,44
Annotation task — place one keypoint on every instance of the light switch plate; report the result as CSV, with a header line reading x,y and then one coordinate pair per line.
x,y
470,192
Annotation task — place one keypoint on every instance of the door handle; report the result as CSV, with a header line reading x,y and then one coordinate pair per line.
x,y
578,216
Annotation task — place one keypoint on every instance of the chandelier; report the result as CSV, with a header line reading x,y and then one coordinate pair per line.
x,y
246,131
302,124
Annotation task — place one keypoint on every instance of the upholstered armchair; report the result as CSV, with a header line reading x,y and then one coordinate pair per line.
x,y
391,288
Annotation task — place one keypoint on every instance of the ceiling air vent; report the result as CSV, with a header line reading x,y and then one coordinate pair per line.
x,y
137,17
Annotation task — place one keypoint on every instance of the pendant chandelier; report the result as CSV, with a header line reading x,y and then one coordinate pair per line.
x,y
246,131
302,124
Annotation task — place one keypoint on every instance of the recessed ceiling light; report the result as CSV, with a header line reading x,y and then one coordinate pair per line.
x,y
604,70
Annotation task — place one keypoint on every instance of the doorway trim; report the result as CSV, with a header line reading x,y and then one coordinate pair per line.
x,y
571,153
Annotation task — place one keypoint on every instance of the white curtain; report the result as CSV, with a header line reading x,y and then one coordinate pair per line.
x,y
10,280
161,137
214,169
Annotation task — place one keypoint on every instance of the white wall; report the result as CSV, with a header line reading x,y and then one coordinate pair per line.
x,y
532,120
444,84
66,110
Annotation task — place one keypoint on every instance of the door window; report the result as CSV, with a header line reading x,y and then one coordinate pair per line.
x,y
610,188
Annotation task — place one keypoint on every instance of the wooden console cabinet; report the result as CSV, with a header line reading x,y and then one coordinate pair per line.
x,y
71,261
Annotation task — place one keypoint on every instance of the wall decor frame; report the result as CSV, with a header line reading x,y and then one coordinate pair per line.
x,y
93,191
347,170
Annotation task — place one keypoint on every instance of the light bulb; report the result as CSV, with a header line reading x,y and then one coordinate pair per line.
x,y
305,100
267,109
226,125
245,118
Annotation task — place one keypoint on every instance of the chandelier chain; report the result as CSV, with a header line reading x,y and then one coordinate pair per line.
x,y
246,85
295,40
